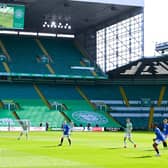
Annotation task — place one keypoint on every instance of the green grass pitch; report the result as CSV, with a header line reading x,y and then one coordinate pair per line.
x,y
6,21
88,150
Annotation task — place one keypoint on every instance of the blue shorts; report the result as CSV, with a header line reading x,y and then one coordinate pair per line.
x,y
158,141
66,134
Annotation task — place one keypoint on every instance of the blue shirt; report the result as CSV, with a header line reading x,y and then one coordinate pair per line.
x,y
159,134
66,129
165,129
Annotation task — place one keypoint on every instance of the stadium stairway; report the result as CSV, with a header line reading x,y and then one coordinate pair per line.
x,y
35,112
124,96
7,111
82,50
23,50
88,110
6,114
65,56
5,52
135,97
159,103
92,71
87,56
1,104
38,113
15,115
6,67
82,94
29,105
76,106
41,95
43,49
151,114
82,99
62,54
49,67
45,52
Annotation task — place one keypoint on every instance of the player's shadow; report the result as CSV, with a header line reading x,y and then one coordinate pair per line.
x,y
148,150
51,146
114,148
142,157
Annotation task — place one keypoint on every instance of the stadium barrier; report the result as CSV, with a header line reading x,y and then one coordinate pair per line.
x,y
94,129
88,129
82,129
75,129
20,129
98,129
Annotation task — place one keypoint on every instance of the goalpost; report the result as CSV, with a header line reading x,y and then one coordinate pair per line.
x,y
7,124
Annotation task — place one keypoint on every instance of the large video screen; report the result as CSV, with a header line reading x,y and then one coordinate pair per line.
x,y
12,16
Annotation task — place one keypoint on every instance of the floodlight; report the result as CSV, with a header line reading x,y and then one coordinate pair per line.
x,y
53,23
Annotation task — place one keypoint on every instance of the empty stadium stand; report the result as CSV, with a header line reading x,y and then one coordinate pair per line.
x,y
29,56
130,92
50,79
65,102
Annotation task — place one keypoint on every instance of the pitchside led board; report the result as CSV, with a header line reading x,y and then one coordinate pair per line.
x,y
12,16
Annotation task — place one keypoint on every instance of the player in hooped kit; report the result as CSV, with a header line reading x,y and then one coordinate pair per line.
x,y
25,129
159,138
128,131
66,133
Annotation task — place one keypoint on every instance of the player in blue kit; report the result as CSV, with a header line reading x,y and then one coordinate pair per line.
x,y
159,138
165,131
165,128
66,133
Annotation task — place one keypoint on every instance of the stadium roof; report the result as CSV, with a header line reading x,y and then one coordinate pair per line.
x,y
79,14
155,67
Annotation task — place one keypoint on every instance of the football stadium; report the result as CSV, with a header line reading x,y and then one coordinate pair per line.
x,y
76,89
